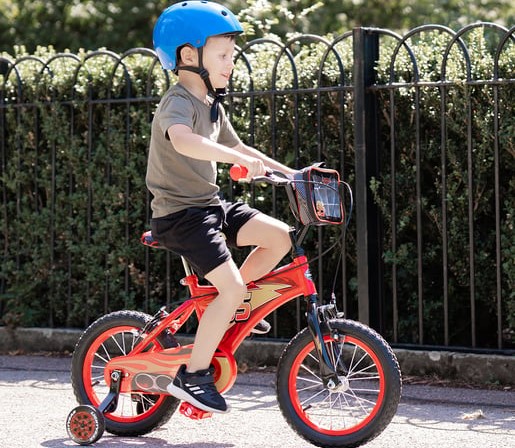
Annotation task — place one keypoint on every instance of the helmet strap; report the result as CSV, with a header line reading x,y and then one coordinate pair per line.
x,y
215,107
217,94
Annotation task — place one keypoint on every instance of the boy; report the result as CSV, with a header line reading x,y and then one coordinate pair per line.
x,y
190,133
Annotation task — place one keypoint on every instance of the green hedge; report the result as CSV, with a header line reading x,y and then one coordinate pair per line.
x,y
74,200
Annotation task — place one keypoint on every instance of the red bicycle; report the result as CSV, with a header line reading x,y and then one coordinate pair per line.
x,y
338,381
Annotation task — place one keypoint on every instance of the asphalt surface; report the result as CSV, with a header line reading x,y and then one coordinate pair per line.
x,y
36,397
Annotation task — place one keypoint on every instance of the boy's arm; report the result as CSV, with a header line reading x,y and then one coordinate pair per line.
x,y
268,162
187,143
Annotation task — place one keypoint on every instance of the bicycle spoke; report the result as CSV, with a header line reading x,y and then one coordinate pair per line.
x,y
135,337
338,360
124,351
98,377
353,366
97,355
365,378
308,380
93,366
359,399
360,389
309,399
116,342
146,402
310,371
363,370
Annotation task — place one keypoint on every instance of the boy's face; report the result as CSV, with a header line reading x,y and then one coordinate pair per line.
x,y
218,56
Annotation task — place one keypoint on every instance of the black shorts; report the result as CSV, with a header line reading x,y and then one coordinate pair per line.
x,y
202,235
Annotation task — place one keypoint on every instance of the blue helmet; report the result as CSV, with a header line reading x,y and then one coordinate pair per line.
x,y
190,22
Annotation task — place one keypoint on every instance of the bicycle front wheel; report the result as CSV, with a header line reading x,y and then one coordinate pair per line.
x,y
361,407
113,335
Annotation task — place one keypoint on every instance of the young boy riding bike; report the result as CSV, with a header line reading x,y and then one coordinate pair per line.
x,y
190,133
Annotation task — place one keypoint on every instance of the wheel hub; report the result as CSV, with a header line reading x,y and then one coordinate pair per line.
x,y
344,385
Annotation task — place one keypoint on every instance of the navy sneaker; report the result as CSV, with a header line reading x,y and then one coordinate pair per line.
x,y
198,388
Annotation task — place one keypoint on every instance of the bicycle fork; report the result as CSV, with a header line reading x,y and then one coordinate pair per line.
x,y
327,368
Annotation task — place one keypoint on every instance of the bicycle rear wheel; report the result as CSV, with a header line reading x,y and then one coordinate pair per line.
x,y
362,406
113,335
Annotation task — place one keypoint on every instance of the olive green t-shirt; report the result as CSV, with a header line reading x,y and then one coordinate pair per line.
x,y
176,181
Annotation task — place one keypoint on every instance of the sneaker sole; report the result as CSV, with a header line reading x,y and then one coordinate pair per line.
x,y
254,331
181,394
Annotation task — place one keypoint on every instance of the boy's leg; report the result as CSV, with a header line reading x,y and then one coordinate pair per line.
x,y
216,318
195,383
272,240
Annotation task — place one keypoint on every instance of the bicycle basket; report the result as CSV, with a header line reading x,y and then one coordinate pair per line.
x,y
315,197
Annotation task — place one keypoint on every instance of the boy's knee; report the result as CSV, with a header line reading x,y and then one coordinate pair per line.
x,y
235,292
283,240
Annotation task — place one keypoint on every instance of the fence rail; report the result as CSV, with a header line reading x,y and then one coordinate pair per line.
x,y
369,102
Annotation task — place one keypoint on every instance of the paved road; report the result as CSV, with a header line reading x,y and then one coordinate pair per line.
x,y
36,397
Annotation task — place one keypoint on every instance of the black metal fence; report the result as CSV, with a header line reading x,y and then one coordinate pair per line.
x,y
491,159
368,102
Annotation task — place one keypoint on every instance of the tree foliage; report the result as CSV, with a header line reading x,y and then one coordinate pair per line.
x,y
123,24
75,24
282,17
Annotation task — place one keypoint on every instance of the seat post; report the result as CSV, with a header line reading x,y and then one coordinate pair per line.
x,y
187,267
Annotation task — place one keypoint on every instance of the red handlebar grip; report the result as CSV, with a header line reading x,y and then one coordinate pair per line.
x,y
238,172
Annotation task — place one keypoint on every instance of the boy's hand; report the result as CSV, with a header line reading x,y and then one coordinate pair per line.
x,y
255,167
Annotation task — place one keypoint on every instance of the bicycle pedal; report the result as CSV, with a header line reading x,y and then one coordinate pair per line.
x,y
193,412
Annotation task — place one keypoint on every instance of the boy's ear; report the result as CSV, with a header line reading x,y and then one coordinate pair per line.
x,y
188,55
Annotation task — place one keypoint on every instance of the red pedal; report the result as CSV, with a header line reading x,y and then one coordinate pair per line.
x,y
193,412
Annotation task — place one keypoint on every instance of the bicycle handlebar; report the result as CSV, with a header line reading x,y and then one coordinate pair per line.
x,y
239,173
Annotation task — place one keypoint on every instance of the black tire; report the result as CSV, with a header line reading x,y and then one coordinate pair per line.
x,y
367,400
110,336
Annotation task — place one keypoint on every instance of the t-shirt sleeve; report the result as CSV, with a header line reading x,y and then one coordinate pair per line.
x,y
175,110
227,135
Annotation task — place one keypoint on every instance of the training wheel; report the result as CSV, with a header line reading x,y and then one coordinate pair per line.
x,y
85,424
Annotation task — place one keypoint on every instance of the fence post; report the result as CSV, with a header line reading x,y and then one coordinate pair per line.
x,y
4,68
367,160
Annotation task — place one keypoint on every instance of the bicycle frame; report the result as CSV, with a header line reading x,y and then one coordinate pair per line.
x,y
263,297
139,358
